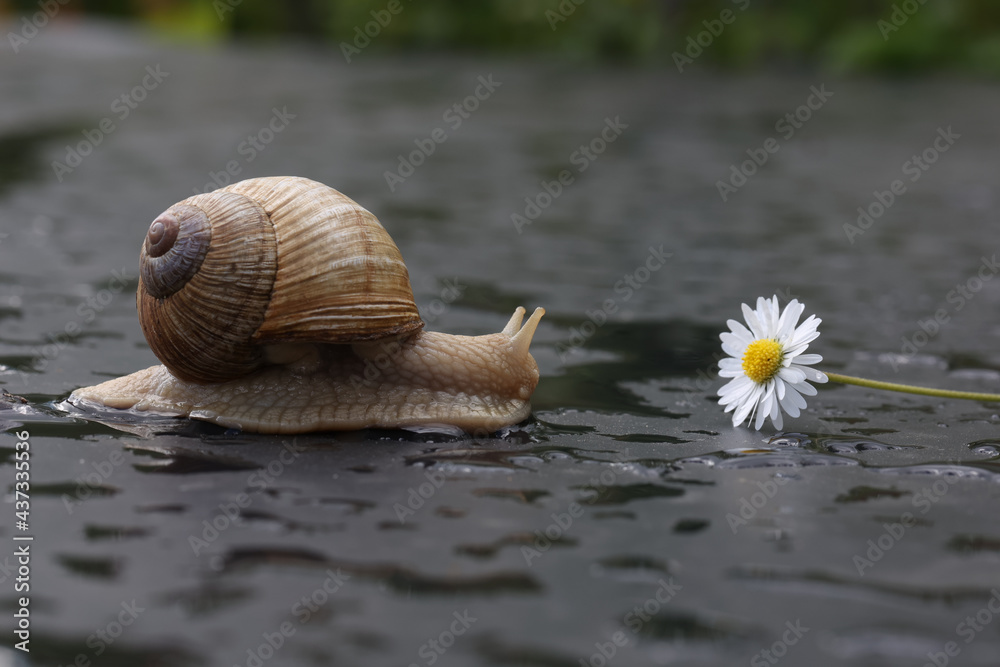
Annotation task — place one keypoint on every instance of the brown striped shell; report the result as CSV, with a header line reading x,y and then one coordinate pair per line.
x,y
264,261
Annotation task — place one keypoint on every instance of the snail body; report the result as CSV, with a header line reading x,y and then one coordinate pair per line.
x,y
281,305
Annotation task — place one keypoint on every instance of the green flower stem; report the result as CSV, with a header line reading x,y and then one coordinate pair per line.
x,y
910,389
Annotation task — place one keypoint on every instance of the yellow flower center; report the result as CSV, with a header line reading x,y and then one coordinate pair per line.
x,y
762,360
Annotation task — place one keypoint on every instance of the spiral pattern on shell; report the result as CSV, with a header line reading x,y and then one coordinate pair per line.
x,y
175,247
264,261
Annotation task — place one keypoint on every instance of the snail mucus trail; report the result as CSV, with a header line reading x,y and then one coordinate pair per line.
x,y
279,305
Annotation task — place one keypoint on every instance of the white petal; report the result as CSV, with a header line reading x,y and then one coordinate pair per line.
x,y
806,332
748,404
765,406
812,374
789,318
732,346
796,395
724,389
740,331
803,338
742,411
739,395
748,418
737,385
730,403
753,322
729,363
761,416
793,402
792,351
739,400
764,317
776,418
771,314
806,389
808,359
792,375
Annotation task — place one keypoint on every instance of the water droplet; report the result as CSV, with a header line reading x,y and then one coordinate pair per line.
x,y
785,461
848,444
990,448
944,470
789,440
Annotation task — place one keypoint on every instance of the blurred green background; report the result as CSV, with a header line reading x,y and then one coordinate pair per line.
x,y
901,36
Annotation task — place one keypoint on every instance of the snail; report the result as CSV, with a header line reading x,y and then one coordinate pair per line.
x,y
280,305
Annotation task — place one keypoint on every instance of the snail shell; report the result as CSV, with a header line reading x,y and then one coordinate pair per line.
x,y
265,261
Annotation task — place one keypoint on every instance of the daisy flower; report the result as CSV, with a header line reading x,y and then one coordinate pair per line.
x,y
767,364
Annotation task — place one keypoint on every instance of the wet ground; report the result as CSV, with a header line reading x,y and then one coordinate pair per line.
x,y
627,522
